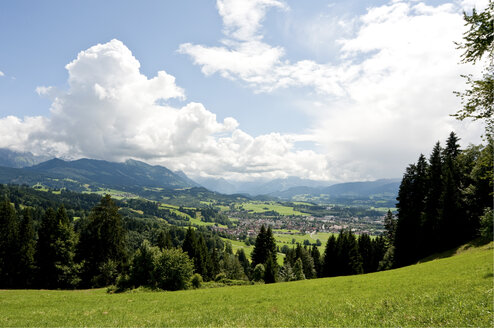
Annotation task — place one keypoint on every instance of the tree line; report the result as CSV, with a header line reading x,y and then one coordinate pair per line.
x,y
444,201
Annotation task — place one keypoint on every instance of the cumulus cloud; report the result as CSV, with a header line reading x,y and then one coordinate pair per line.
x,y
2,73
112,111
388,98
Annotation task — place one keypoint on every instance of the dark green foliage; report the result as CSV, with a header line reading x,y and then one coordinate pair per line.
x,y
27,250
232,268
367,253
244,261
265,247
411,205
196,280
316,257
164,240
56,251
9,246
102,239
173,270
298,270
446,213
330,254
271,272
478,40
143,265
195,246
486,226
258,272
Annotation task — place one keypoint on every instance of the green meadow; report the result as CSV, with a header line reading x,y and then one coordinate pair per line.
x,y
449,292
260,207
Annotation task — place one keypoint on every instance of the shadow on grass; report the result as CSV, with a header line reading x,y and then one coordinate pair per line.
x,y
474,243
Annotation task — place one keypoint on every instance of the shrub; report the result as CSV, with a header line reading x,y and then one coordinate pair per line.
x,y
173,270
196,280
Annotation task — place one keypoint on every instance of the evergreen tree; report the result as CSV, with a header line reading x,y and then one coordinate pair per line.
x,y
102,240
27,249
164,240
390,227
307,262
411,207
430,223
9,246
298,270
379,249
366,252
271,271
265,247
243,261
451,221
316,257
56,251
330,255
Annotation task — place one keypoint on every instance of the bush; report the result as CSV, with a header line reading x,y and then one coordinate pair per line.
x,y
486,225
173,270
220,276
196,280
258,273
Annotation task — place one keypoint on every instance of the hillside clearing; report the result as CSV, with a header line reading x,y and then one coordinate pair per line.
x,y
455,291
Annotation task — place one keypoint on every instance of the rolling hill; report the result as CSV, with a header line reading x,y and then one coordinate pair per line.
x,y
449,292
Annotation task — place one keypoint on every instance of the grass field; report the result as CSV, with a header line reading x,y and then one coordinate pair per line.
x,y
259,207
454,291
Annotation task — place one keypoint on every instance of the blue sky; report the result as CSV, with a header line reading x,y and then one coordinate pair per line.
x,y
327,90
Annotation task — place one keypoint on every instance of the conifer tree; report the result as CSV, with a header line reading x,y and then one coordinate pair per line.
x,y
298,270
366,252
316,257
265,247
27,249
330,255
430,222
411,207
9,247
56,251
102,240
451,212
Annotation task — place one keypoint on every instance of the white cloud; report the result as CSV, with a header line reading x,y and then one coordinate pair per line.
x,y
112,111
2,73
242,19
388,100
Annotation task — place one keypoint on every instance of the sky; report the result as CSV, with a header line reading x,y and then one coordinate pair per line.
x,y
238,89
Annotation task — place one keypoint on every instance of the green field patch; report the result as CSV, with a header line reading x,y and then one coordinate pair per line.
x,y
452,292
260,207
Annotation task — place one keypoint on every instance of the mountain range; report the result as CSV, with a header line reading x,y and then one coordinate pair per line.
x,y
142,179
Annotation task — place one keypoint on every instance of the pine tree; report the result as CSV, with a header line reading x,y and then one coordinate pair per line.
x,y
316,257
27,249
164,240
451,222
390,227
430,222
9,247
56,251
298,270
265,247
366,251
411,208
102,240
244,261
330,255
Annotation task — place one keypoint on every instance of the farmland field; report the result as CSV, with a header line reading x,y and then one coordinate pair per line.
x,y
454,291
259,207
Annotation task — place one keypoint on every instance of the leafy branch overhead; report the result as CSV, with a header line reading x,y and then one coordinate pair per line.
x,y
478,42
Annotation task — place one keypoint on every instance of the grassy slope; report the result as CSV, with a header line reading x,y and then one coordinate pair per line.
x,y
455,291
